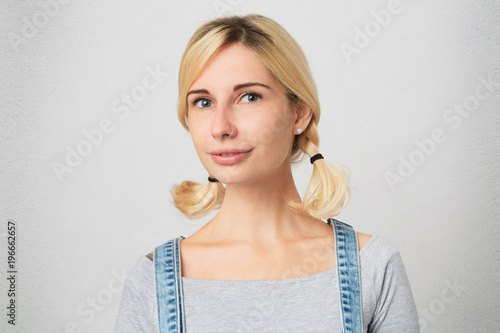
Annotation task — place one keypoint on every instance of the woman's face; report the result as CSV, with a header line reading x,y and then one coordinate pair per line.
x,y
236,96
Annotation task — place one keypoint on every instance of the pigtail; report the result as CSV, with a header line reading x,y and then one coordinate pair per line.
x,y
195,200
328,192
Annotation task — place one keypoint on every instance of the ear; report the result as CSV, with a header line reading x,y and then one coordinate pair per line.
x,y
303,115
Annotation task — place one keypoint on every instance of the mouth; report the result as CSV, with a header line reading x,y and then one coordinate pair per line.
x,y
229,151
230,156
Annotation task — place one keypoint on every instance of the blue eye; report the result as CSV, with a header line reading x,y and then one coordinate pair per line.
x,y
203,103
250,97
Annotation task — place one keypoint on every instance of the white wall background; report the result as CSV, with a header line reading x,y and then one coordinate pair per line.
x,y
66,65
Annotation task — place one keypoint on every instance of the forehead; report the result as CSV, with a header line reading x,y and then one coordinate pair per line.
x,y
234,64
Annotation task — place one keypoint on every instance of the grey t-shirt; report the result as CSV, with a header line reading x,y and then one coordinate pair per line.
x,y
304,304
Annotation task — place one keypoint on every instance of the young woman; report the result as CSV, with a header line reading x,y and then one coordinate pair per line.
x,y
267,262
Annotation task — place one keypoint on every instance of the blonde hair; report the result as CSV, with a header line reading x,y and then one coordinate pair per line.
x,y
328,191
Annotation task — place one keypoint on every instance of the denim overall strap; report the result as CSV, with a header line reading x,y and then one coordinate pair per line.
x,y
167,263
348,277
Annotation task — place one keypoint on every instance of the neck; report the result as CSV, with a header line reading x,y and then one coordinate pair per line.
x,y
257,213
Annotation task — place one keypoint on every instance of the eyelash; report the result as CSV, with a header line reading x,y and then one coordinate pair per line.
x,y
196,100
251,93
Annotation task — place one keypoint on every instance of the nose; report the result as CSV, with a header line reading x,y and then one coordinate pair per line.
x,y
223,123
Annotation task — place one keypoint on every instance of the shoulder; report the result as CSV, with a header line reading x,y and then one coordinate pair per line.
x,y
378,256
375,245
363,239
142,265
137,312
141,275
380,260
387,295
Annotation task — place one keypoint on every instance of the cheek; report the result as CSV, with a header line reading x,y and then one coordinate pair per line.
x,y
276,134
198,137
282,124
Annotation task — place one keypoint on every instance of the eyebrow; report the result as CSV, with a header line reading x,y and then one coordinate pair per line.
x,y
236,87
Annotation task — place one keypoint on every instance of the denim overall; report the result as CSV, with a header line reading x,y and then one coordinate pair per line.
x,y
169,295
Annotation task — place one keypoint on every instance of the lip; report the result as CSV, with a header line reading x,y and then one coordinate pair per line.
x,y
238,155
229,151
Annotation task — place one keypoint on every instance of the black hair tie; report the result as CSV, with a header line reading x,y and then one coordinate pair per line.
x,y
316,157
213,180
